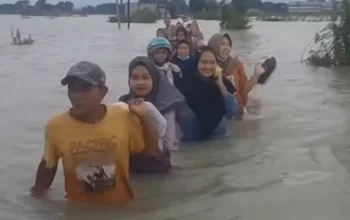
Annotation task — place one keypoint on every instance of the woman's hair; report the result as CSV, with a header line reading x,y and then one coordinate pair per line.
x,y
203,49
160,30
182,29
195,23
200,51
183,42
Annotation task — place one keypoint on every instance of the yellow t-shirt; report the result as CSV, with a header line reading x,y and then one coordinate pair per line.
x,y
95,157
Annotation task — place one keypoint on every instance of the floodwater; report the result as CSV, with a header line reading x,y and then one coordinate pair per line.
x,y
291,162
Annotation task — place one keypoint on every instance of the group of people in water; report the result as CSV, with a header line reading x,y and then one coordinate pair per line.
x,y
177,32
181,90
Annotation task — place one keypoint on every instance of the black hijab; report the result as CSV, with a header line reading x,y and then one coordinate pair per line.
x,y
163,95
205,98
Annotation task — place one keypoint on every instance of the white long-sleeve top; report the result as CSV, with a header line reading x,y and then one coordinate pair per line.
x,y
157,118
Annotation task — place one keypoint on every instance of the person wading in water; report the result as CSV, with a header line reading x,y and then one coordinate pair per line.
x,y
92,135
233,68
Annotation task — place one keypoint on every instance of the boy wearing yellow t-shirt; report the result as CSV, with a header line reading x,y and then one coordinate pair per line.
x,y
94,142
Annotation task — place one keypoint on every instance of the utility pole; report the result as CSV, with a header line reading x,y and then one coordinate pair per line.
x,y
118,14
157,9
128,14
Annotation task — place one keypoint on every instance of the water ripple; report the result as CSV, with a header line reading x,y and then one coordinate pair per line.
x,y
303,108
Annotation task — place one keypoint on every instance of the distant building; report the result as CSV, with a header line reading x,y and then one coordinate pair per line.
x,y
134,7
311,7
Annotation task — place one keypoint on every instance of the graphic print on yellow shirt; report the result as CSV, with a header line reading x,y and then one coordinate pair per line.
x,y
96,170
95,157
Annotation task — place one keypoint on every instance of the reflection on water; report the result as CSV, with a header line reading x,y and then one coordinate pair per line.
x,y
278,165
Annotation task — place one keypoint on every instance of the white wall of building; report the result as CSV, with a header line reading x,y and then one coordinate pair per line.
x,y
310,7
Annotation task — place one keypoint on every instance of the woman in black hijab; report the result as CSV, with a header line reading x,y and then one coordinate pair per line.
x,y
146,82
209,96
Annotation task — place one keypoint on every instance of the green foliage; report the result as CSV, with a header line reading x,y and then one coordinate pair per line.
x,y
241,6
211,14
341,32
331,45
210,10
142,16
232,19
196,5
177,7
273,18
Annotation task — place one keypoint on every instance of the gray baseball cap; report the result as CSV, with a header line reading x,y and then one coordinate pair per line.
x,y
87,71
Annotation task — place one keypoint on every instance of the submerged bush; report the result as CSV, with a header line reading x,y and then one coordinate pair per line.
x,y
232,19
142,16
211,14
331,45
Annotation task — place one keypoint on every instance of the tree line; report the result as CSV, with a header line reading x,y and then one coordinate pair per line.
x,y
175,7
180,7
40,6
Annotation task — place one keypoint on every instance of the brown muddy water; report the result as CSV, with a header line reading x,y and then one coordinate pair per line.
x,y
289,163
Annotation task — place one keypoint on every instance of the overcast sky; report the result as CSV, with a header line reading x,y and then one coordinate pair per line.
x,y
79,3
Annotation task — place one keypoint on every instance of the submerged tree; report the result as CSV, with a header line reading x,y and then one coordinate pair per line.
x,y
233,15
331,45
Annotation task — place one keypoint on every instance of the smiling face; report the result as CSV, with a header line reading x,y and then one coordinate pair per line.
x,y
225,48
183,50
140,82
207,64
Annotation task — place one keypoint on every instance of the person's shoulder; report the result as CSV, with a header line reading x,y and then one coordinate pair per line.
x,y
123,108
175,67
118,106
175,60
236,65
58,121
150,105
120,111
193,59
238,61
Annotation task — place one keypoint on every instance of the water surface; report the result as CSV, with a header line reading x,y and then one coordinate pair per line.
x,y
291,162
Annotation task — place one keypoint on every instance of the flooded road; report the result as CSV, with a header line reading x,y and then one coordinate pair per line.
x,y
289,163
